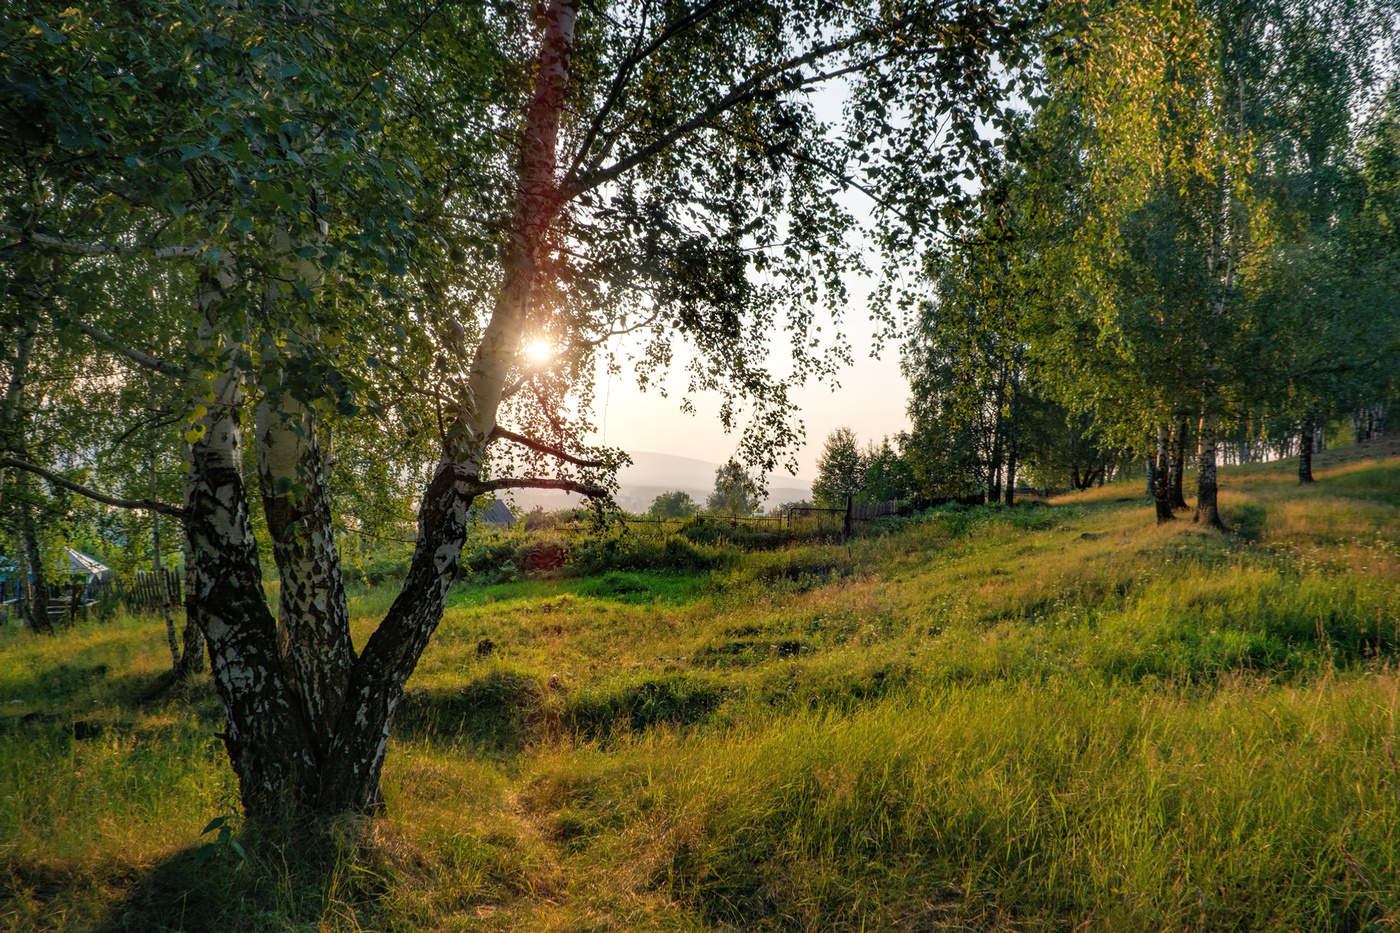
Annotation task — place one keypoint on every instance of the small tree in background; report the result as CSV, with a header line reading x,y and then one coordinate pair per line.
x,y
736,493
840,471
886,474
675,504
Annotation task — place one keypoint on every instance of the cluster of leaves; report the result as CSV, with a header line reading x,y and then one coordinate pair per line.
x,y
1192,223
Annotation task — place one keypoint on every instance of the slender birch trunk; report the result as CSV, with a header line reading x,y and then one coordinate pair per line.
x,y
1160,498
12,436
1207,510
1305,449
994,466
170,637
1010,492
1176,491
38,580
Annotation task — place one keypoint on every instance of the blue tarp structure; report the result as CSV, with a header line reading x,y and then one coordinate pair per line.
x,y
84,569
88,568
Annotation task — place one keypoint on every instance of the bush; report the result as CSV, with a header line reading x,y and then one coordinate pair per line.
x,y
673,553
376,570
706,529
542,556
491,561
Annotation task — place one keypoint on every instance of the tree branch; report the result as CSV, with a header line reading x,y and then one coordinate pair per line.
x,y
100,250
544,448
542,482
738,94
624,75
149,505
139,357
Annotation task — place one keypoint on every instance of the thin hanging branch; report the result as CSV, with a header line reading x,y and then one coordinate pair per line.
x,y
102,250
139,357
150,505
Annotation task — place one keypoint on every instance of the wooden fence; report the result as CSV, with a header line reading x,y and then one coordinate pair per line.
x,y
65,602
148,589
61,603
793,521
815,518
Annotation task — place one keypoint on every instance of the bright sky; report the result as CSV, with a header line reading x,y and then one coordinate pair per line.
x,y
871,400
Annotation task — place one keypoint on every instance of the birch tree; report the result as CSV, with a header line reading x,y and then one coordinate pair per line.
x,y
375,215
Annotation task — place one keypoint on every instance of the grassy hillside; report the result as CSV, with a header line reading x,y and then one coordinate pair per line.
x,y
1056,717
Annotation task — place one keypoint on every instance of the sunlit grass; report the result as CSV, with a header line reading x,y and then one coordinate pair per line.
x,y
1046,717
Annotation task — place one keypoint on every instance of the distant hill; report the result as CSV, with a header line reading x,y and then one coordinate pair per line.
x,y
653,473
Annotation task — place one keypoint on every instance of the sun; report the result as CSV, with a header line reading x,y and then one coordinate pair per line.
x,y
538,351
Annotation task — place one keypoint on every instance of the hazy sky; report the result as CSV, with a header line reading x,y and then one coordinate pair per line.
x,y
871,400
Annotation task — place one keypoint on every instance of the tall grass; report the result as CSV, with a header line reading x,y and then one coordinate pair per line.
x,y
1046,806
1042,717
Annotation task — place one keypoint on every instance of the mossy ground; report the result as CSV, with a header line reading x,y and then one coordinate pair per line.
x,y
1054,716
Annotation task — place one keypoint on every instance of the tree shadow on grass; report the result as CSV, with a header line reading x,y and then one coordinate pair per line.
x,y
1373,484
499,713
1247,520
260,886
505,711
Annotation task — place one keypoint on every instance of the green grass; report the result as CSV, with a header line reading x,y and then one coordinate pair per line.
x,y
1048,717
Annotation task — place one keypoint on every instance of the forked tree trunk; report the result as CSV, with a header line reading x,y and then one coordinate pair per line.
x,y
308,722
1159,478
1207,509
1305,449
269,745
1176,491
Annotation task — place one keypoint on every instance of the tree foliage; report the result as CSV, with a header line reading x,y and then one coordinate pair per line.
x,y
306,244
735,492
675,504
840,470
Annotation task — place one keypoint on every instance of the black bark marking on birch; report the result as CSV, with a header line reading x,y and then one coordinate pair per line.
x,y
1305,450
350,776
1160,476
268,741
314,619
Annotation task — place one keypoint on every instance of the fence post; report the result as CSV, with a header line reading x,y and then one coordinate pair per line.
x,y
846,525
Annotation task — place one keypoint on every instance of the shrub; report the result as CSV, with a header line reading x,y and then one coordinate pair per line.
x,y
705,529
673,553
492,561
